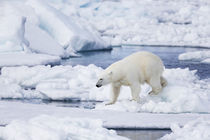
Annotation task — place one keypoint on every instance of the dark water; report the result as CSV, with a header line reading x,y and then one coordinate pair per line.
x,y
169,55
143,134
71,102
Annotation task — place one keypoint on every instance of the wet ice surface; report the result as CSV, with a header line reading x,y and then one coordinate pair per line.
x,y
73,103
169,55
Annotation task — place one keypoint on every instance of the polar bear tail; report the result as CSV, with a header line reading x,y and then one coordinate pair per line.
x,y
163,81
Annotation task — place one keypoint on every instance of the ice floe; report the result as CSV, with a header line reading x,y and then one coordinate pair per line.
x,y
35,26
184,93
199,56
198,129
12,28
69,26
56,128
66,31
27,59
16,110
144,22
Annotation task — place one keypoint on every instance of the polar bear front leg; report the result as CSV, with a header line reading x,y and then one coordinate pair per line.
x,y
114,93
135,90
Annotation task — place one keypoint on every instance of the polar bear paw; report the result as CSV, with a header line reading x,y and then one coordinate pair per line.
x,y
109,103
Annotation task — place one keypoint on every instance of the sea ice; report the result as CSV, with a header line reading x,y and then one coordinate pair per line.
x,y
199,56
66,31
84,25
17,110
41,42
27,59
35,26
56,128
198,129
133,22
11,29
184,93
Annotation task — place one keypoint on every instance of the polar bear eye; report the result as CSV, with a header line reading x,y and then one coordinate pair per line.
x,y
100,79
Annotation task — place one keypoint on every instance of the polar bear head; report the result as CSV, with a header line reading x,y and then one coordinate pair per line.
x,y
105,78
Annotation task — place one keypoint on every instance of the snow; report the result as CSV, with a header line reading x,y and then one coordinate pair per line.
x,y
37,33
147,22
41,42
184,93
111,119
62,28
14,47
65,30
35,26
198,129
199,56
48,127
57,82
28,59
11,33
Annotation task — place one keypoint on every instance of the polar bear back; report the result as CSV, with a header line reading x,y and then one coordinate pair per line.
x,y
142,65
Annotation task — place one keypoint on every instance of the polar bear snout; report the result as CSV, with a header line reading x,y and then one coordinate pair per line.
x,y
99,83
98,86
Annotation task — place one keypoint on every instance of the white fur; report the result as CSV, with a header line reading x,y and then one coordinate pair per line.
x,y
132,71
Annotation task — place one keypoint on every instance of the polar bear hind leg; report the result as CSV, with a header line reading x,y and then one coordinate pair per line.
x,y
163,81
155,83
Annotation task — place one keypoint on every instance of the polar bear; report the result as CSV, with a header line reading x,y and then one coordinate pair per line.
x,y
132,71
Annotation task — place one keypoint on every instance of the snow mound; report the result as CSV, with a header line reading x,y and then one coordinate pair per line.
x,y
20,34
11,29
200,56
184,93
66,31
41,42
198,129
47,127
36,27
